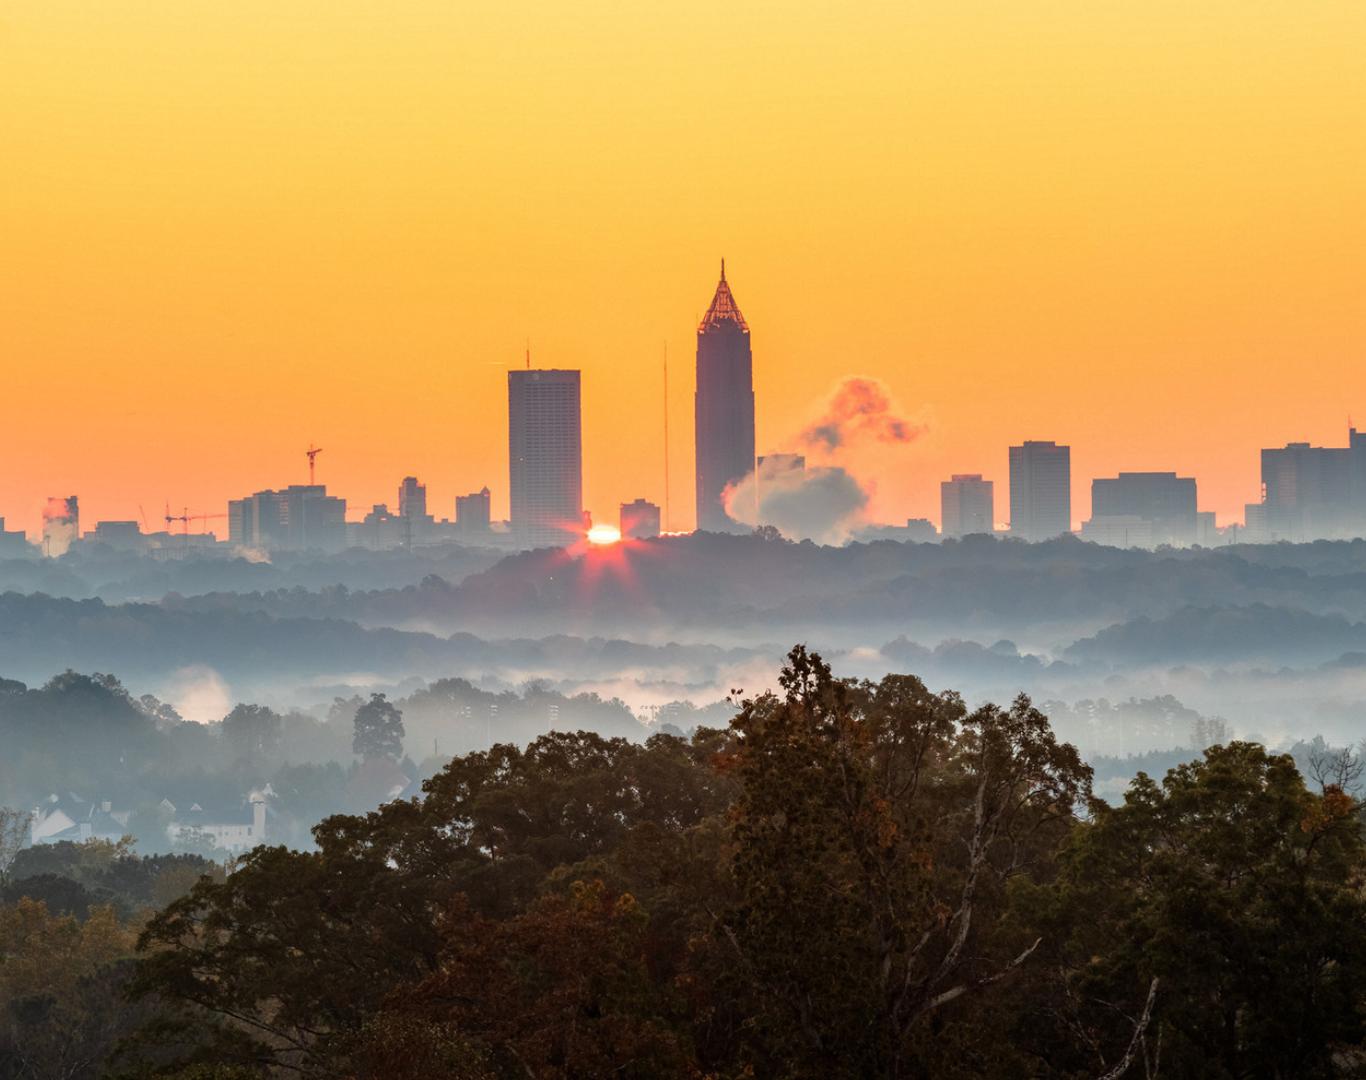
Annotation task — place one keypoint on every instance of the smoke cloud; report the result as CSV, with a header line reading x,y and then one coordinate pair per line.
x,y
859,410
824,504
827,502
60,526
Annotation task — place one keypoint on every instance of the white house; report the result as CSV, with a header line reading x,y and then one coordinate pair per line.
x,y
69,817
234,830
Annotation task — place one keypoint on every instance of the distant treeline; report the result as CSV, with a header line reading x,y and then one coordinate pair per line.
x,y
87,735
849,880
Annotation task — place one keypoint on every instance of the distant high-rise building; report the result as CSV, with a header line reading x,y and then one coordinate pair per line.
x,y
967,505
124,535
723,406
545,455
1040,490
1142,509
412,499
299,518
639,520
412,511
1314,492
472,512
61,525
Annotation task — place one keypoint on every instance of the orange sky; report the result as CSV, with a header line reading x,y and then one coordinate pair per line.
x,y
229,229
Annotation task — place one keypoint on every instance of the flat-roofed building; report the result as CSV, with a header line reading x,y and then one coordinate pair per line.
x,y
640,520
1040,490
545,455
967,505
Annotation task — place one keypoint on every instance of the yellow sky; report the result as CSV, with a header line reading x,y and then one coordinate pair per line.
x,y
229,229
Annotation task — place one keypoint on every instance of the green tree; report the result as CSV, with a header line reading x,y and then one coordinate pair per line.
x,y
1239,892
252,732
378,730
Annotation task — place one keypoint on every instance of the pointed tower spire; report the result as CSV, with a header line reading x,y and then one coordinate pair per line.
x,y
723,308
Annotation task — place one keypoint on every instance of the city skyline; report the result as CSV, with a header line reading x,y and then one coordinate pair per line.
x,y
230,236
1306,491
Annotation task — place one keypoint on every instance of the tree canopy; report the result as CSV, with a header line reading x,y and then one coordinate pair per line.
x,y
853,879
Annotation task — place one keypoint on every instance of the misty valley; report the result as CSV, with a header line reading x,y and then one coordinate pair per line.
x,y
1005,809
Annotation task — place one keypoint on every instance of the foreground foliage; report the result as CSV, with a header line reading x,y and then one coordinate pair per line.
x,y
853,880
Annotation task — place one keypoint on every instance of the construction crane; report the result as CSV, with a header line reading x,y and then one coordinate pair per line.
x,y
185,517
312,452
203,519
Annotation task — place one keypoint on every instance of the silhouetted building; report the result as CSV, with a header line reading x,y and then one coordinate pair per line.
x,y
723,407
412,499
1314,492
545,455
61,525
1121,531
967,505
379,530
639,520
299,518
123,535
1254,529
418,525
915,531
472,513
1146,509
13,542
781,463
1040,490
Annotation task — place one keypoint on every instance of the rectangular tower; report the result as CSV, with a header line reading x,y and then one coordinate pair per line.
x,y
966,505
472,512
1164,503
545,457
723,407
1040,490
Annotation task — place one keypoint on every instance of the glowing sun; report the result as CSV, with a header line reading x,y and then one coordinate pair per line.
x,y
604,534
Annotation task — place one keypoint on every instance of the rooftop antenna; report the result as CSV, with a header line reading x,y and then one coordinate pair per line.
x,y
666,435
528,354
312,452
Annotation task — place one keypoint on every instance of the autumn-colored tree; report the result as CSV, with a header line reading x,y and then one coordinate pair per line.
x,y
874,833
61,1006
301,949
560,991
855,880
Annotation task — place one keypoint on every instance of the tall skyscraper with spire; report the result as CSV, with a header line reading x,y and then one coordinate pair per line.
x,y
723,406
